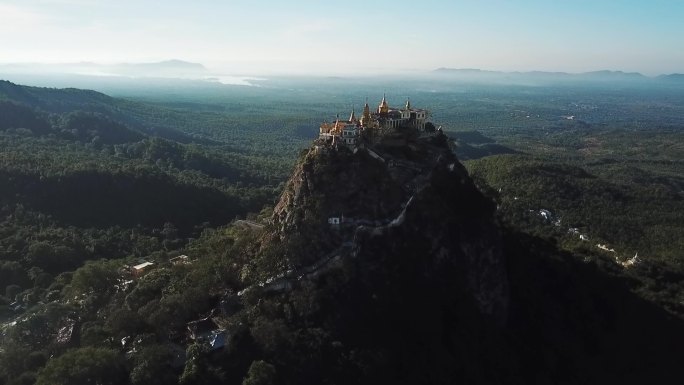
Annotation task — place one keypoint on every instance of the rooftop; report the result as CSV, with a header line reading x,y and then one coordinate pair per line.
x,y
142,265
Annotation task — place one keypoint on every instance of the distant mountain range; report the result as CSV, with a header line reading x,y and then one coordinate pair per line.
x,y
180,69
677,77
593,75
163,69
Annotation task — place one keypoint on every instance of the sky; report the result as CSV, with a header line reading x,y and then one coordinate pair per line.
x,y
337,37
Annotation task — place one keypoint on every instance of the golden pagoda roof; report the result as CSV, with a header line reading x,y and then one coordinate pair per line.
x,y
383,102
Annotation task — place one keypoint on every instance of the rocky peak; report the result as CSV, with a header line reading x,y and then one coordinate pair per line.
x,y
405,203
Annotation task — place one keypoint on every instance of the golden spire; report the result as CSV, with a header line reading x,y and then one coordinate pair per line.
x,y
338,126
352,117
366,117
383,108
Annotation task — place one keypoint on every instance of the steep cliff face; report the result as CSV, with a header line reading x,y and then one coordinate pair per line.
x,y
447,233
409,209
336,182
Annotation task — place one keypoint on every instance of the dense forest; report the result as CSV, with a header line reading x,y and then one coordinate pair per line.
x,y
79,185
91,184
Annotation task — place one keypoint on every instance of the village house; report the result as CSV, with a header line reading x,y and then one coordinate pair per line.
x,y
141,269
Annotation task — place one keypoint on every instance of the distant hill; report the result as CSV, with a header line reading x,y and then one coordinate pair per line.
x,y
463,70
169,64
139,116
604,75
672,77
171,68
55,100
168,68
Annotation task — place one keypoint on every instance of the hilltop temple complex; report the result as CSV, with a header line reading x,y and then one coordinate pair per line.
x,y
373,124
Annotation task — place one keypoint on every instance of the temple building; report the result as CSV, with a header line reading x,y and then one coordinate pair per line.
x,y
408,117
385,118
347,131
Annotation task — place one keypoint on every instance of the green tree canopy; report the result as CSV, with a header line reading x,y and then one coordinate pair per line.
x,y
99,277
260,373
85,366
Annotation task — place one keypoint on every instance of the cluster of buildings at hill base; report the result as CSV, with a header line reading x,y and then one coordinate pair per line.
x,y
375,123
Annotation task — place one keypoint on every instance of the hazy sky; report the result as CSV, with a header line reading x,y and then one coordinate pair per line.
x,y
346,36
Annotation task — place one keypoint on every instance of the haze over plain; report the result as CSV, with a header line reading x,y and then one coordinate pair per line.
x,y
354,37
